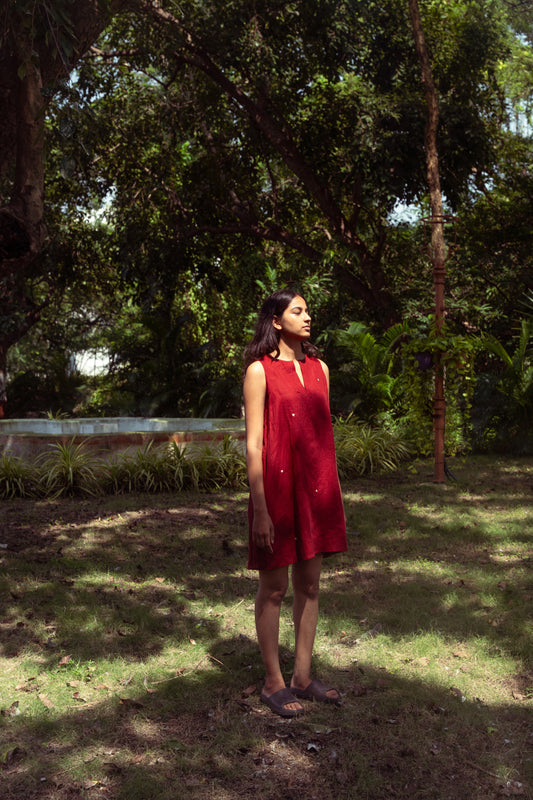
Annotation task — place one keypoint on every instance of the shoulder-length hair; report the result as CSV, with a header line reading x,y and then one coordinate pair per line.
x,y
266,338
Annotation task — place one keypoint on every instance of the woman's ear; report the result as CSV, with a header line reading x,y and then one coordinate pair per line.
x,y
276,323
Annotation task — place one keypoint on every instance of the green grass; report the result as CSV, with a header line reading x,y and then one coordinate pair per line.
x,y
129,667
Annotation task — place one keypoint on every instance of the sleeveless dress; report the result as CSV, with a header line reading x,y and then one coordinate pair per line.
x,y
301,483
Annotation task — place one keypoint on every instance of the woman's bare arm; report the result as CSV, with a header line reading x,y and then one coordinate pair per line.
x,y
254,409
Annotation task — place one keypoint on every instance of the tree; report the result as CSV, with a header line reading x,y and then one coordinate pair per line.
x,y
41,42
294,125
272,134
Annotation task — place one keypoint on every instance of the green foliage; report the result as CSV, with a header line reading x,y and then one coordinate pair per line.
x,y
171,206
144,471
504,400
68,469
387,378
452,353
219,464
363,449
363,376
72,469
17,478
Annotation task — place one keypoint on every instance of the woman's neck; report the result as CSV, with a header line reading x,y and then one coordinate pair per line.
x,y
290,351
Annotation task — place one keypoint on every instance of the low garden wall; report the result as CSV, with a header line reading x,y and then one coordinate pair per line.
x,y
27,438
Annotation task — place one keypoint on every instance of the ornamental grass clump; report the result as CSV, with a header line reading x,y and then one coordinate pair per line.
x,y
149,469
219,464
68,469
363,449
17,478
71,469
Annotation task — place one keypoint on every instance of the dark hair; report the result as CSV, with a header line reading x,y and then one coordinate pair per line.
x,y
266,338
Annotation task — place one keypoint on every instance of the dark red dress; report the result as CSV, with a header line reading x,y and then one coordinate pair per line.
x,y
302,489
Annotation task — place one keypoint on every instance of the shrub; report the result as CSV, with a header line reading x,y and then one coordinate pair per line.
x,y
17,479
219,464
362,449
69,469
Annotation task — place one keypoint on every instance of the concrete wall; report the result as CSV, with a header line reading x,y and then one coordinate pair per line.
x,y
28,438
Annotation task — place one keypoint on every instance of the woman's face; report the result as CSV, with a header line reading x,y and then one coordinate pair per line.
x,y
295,320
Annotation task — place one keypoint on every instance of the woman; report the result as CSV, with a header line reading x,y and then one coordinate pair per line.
x,y
296,514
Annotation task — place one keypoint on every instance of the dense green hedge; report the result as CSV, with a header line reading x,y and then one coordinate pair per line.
x,y
69,469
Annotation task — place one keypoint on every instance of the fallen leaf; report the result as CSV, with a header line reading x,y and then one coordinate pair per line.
x,y
45,700
65,660
249,691
129,703
458,693
323,729
12,711
512,789
91,784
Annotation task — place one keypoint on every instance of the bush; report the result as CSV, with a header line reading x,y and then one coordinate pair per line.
x,y
362,449
69,469
17,479
218,465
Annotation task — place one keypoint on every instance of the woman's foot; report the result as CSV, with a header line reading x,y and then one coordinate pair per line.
x,y
283,702
316,690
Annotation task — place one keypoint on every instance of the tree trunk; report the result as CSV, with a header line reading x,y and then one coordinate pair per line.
x,y
29,62
438,246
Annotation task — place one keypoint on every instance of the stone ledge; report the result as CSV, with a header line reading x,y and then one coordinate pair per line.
x,y
28,438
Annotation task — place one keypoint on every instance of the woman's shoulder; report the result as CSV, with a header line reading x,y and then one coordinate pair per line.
x,y
255,369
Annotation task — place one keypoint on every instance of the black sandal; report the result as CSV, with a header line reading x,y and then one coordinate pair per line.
x,y
316,690
278,701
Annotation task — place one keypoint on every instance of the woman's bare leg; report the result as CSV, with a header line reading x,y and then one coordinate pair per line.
x,y
305,581
272,589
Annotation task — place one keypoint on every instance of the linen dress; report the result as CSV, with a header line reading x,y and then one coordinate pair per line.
x,y
300,477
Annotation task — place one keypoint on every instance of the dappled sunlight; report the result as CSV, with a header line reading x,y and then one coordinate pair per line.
x,y
128,643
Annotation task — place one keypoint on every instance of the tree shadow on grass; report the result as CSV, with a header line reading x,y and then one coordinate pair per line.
x,y
120,584
100,583
203,736
130,579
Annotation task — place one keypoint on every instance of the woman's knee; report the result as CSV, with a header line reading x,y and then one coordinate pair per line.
x,y
307,589
273,588
306,579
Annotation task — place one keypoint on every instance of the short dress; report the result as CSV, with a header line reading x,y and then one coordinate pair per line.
x,y
300,476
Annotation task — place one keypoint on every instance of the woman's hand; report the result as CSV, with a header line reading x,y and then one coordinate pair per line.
x,y
263,531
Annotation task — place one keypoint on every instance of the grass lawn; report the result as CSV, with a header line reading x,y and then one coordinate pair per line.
x,y
129,668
